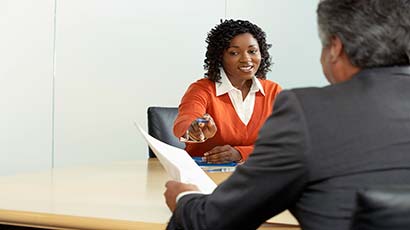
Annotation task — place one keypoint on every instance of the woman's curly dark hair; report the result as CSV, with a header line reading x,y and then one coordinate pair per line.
x,y
219,39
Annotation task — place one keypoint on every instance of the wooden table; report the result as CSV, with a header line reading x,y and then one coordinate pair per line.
x,y
118,196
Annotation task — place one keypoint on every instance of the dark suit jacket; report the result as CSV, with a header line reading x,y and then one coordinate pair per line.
x,y
319,146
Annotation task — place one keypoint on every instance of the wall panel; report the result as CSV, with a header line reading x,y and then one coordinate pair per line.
x,y
26,58
114,59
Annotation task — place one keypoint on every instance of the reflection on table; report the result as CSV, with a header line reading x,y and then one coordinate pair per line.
x,y
121,195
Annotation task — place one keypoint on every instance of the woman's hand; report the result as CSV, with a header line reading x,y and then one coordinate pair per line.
x,y
222,154
202,128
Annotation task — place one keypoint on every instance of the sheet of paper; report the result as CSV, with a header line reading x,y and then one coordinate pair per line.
x,y
284,217
178,164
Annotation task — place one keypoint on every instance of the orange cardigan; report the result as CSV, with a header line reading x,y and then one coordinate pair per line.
x,y
200,98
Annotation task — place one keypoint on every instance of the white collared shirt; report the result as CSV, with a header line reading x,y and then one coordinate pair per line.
x,y
244,108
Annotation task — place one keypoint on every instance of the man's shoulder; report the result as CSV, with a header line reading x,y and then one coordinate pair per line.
x,y
314,100
325,92
307,93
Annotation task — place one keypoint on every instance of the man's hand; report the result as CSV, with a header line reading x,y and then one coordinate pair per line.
x,y
173,189
222,154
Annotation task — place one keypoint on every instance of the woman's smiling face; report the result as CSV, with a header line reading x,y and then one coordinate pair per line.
x,y
242,58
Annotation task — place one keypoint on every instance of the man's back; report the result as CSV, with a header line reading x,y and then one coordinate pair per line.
x,y
319,147
359,136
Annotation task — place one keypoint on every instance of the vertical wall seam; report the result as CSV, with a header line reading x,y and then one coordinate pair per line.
x,y
226,8
53,86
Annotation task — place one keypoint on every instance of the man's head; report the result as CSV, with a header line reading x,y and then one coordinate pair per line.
x,y
358,34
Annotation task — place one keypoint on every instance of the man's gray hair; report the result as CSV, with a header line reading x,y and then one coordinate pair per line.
x,y
374,33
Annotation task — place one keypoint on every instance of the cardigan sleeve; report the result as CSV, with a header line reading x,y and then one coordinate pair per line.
x,y
245,151
193,105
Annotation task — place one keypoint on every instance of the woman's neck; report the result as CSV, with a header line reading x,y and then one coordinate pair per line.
x,y
243,84
244,87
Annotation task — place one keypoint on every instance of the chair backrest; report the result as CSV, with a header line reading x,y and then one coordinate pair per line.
x,y
382,209
160,125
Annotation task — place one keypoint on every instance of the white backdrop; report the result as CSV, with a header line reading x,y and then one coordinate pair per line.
x,y
113,59
26,57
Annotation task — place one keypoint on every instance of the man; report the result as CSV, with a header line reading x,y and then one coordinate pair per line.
x,y
321,145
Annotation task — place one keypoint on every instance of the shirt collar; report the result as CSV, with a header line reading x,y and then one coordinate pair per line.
x,y
224,86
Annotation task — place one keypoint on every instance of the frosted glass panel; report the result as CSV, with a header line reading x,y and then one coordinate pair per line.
x,y
114,59
26,85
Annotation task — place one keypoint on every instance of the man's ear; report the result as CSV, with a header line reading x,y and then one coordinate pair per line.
x,y
336,49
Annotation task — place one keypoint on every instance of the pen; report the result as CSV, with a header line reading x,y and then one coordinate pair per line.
x,y
201,120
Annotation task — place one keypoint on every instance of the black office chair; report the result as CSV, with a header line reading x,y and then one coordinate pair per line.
x,y
160,125
382,209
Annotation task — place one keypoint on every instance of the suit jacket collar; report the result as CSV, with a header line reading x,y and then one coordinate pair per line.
x,y
385,71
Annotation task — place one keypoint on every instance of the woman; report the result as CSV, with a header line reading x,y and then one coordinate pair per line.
x,y
220,115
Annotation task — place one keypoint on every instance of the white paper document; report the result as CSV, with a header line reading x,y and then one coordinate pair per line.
x,y
178,164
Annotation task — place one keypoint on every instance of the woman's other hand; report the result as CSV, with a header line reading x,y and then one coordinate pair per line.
x,y
222,154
